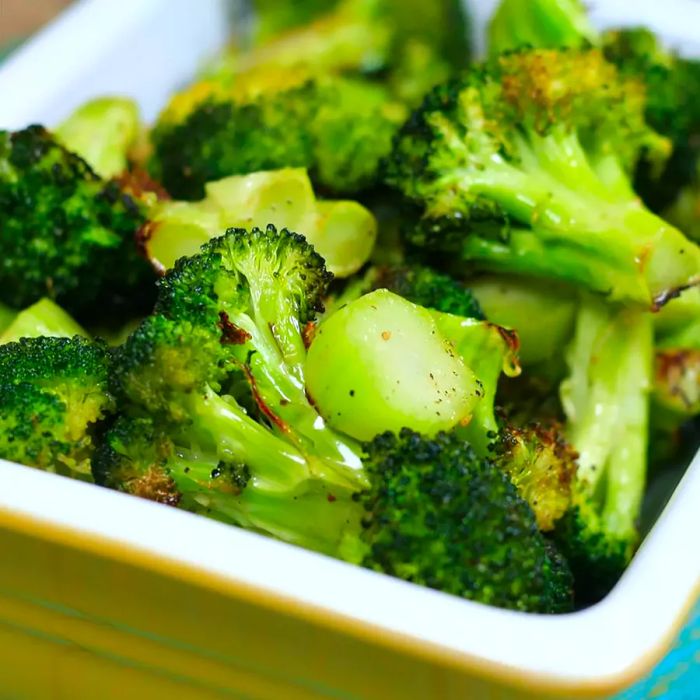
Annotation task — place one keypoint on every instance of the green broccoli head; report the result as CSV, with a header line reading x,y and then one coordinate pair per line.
x,y
219,370
523,166
673,89
53,396
64,233
239,306
338,128
438,515
427,287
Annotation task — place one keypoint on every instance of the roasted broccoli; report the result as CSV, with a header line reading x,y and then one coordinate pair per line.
x,y
65,233
438,515
522,166
229,324
343,232
338,128
541,464
606,401
53,399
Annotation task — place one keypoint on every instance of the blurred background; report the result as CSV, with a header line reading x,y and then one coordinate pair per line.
x,y
18,18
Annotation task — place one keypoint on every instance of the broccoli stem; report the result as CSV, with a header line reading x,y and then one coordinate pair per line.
x,y
541,23
489,351
649,260
606,400
316,517
524,252
237,438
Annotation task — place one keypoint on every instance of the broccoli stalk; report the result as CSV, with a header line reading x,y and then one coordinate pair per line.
x,y
45,318
546,24
606,401
102,131
381,364
220,367
521,166
343,232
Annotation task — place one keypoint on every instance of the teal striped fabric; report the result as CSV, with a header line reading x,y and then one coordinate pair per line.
x,y
677,677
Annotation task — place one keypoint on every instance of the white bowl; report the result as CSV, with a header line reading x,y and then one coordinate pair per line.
x,y
421,642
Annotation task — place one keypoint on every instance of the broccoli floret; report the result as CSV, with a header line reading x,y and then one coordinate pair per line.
x,y
45,318
53,397
541,464
220,369
337,128
438,515
606,401
523,166
546,24
102,131
428,287
65,233
411,45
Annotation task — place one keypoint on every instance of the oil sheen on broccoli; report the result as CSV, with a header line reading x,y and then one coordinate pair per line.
x,y
523,166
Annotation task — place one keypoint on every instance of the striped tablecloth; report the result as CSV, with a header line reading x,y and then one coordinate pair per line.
x,y
677,677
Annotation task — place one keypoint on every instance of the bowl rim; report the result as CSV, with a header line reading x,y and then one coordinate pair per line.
x,y
600,649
